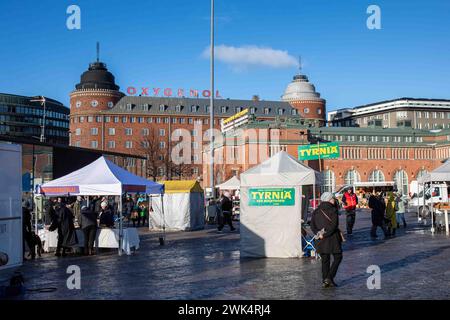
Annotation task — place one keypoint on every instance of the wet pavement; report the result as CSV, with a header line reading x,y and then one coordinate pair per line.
x,y
207,265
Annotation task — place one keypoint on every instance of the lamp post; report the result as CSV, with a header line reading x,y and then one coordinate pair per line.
x,y
211,104
42,101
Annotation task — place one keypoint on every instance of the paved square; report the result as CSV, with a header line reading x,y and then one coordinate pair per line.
x,y
206,265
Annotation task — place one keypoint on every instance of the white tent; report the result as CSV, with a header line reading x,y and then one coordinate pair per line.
x,y
101,177
231,184
441,173
271,207
183,207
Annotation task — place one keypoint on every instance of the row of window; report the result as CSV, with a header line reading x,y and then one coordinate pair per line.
x,y
396,154
34,120
36,131
33,111
144,132
371,138
126,119
400,178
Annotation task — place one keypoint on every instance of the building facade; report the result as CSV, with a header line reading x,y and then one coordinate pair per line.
x,y
397,155
22,118
102,117
426,114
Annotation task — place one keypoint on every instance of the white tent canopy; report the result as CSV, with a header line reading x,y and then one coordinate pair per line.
x,y
101,177
272,227
441,173
280,169
231,184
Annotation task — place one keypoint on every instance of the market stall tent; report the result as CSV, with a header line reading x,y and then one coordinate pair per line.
x,y
183,204
231,184
101,177
271,207
441,173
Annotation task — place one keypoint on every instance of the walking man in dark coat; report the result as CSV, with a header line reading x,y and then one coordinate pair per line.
x,y
378,206
67,236
325,222
227,206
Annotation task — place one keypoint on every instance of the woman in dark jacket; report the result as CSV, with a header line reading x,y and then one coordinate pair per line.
x,y
325,223
378,206
88,223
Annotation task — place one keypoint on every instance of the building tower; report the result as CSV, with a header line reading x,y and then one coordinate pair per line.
x,y
302,95
96,92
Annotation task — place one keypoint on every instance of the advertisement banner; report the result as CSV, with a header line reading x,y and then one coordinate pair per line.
x,y
315,151
271,197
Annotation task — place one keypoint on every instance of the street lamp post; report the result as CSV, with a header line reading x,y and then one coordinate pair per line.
x,y
42,101
211,106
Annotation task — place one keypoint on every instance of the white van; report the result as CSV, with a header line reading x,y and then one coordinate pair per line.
x,y
437,195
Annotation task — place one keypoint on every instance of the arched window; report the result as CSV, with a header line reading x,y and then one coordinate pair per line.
x,y
351,177
329,181
401,181
421,173
376,176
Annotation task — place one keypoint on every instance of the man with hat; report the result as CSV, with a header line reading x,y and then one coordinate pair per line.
x,y
325,223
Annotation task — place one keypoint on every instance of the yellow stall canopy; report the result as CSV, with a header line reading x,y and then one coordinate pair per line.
x,y
182,186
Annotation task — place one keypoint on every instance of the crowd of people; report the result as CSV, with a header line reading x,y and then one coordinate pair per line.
x,y
65,215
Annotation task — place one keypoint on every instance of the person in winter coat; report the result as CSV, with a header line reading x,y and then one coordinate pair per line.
x,y
106,216
378,206
401,209
325,219
63,221
390,214
227,208
88,223
350,201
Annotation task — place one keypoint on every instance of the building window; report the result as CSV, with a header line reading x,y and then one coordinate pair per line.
x,y
129,107
191,121
111,131
319,111
329,181
195,145
162,132
351,177
385,139
194,133
107,119
252,110
162,108
205,121
442,115
90,118
161,171
145,107
77,131
162,145
306,110
401,181
434,115
111,144
158,120
421,173
166,120
145,132
223,109
78,144
133,119
94,144
78,104
195,171
128,131
174,120
149,120
94,103
98,119
128,144
419,139
376,176
94,131
178,108
266,110
124,119
182,120
386,116
145,144
294,112
141,120
426,115
116,119
237,109
402,114
194,108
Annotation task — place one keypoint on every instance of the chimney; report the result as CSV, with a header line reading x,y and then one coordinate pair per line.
x,y
255,97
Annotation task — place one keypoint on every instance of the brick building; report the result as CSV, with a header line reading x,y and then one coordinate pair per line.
x,y
104,118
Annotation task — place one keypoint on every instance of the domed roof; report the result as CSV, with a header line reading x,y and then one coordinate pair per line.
x,y
97,77
300,89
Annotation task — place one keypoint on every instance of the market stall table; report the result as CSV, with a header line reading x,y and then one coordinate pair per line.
x,y
106,238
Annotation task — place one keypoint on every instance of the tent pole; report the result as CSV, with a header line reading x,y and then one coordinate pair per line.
x,y
314,196
431,207
163,237
120,225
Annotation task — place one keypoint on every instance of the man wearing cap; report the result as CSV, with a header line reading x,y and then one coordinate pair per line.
x,y
227,207
325,218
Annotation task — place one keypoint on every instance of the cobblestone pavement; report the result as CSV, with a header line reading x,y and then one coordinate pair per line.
x,y
206,265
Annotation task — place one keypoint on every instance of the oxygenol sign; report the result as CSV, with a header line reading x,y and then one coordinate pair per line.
x,y
169,92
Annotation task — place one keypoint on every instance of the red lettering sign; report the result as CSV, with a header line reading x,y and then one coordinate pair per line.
x,y
131,90
206,93
180,92
193,93
168,92
144,91
217,94
156,91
